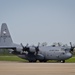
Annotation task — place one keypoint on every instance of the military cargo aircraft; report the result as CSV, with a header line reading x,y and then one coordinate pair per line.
x,y
33,53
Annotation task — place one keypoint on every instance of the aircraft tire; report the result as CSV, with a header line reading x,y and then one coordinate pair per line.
x,y
62,61
43,60
32,60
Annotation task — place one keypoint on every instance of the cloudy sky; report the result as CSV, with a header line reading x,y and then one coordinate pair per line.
x,y
33,21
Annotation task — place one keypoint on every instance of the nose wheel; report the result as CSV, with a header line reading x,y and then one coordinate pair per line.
x,y
62,61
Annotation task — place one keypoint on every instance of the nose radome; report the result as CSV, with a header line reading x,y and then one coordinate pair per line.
x,y
69,55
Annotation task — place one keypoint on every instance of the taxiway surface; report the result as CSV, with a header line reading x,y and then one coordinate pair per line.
x,y
19,68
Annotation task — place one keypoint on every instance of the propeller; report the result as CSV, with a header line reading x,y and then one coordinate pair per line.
x,y
37,49
72,48
25,48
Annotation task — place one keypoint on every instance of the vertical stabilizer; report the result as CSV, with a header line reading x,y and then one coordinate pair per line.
x,y
5,37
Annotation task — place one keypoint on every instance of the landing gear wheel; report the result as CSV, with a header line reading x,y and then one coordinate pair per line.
x,y
32,60
62,61
43,60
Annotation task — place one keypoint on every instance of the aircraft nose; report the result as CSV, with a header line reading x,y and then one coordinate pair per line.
x,y
69,55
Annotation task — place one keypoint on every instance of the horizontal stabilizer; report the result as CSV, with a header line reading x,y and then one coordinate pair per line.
x,y
7,47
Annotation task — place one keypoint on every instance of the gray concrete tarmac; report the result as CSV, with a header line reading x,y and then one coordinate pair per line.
x,y
19,68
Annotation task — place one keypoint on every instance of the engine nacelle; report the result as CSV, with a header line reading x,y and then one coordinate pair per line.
x,y
32,49
15,52
18,49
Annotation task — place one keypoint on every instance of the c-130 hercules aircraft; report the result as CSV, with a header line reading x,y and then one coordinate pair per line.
x,y
33,53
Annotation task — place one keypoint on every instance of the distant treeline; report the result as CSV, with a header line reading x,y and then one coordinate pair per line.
x,y
5,52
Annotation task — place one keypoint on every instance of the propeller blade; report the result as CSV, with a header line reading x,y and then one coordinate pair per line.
x,y
37,48
27,45
72,48
22,45
25,48
70,44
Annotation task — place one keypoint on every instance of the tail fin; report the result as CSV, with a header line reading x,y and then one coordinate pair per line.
x,y
5,37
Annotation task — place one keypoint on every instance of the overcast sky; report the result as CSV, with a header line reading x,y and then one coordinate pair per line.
x,y
33,21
